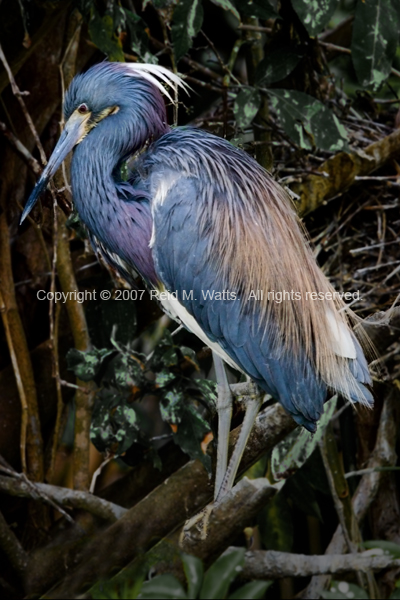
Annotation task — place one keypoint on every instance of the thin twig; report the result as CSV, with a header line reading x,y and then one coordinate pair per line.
x,y
58,496
19,382
19,95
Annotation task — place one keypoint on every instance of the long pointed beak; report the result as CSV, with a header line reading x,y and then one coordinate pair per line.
x,y
73,132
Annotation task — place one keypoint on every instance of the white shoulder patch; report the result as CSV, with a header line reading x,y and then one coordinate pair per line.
x,y
177,311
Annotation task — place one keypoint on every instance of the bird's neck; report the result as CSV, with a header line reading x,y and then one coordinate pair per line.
x,y
122,226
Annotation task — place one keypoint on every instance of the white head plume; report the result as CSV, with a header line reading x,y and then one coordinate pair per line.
x,y
154,73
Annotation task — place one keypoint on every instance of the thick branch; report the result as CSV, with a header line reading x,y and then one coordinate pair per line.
x,y
342,170
272,565
22,364
185,493
77,319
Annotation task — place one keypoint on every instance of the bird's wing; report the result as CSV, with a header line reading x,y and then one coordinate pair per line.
x,y
188,269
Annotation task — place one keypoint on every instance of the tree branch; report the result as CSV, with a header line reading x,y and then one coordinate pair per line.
x,y
269,564
342,170
185,493
383,455
62,496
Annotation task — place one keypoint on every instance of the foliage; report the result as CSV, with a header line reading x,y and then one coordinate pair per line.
x,y
214,583
292,82
125,377
309,122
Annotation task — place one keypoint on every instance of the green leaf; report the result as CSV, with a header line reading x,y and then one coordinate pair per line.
x,y
277,65
116,424
125,373
389,548
86,365
246,106
162,586
251,591
315,14
226,5
163,378
186,24
256,8
209,390
308,122
343,589
172,406
193,568
290,454
101,31
374,41
139,38
276,524
190,434
221,574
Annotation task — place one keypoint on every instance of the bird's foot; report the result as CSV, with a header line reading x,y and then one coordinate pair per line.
x,y
196,528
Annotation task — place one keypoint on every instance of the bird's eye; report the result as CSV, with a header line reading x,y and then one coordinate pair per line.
x,y
83,108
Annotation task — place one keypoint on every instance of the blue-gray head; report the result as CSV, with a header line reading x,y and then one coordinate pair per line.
x,y
119,102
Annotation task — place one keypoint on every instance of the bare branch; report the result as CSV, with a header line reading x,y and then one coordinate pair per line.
x,y
63,496
269,564
342,169
18,94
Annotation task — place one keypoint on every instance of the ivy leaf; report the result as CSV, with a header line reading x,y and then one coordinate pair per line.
x,y
125,372
374,41
115,425
277,65
189,428
314,14
257,8
163,378
139,38
86,365
308,122
186,24
208,389
226,5
101,31
246,106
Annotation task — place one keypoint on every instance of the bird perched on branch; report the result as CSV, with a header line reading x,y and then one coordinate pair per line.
x,y
200,218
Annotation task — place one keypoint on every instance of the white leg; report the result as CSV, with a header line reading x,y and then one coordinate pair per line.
x,y
253,405
224,410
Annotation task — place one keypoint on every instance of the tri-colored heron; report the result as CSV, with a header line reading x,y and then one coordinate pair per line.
x,y
200,218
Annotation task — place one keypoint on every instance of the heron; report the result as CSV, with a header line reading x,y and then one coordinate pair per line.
x,y
216,237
